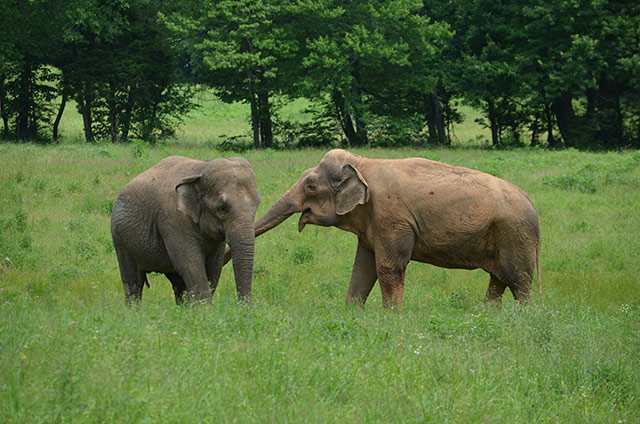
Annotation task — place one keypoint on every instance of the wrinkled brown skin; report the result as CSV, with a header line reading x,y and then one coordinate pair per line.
x,y
176,217
422,210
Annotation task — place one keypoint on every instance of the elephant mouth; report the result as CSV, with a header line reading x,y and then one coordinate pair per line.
x,y
304,219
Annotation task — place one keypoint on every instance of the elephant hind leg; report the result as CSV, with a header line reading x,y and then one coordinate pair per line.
x,y
494,292
133,279
179,286
519,283
521,288
515,270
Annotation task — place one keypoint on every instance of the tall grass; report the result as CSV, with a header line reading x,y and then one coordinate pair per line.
x,y
70,351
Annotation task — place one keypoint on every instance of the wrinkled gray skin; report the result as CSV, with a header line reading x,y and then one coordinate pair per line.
x,y
176,217
422,210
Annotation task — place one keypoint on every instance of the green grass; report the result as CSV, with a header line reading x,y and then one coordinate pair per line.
x,y
70,351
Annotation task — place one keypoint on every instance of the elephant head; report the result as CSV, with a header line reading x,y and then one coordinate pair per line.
x,y
221,200
323,194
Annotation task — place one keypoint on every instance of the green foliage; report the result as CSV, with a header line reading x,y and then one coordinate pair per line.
x,y
114,59
384,73
526,64
126,83
369,63
236,144
139,148
581,182
320,131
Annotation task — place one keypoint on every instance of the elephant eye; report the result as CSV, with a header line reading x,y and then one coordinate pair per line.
x,y
222,211
311,188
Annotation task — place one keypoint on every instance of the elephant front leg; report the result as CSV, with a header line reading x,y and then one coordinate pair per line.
x,y
363,276
189,262
179,286
215,261
392,254
391,285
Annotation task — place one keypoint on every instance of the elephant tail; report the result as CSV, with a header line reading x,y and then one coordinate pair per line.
x,y
538,266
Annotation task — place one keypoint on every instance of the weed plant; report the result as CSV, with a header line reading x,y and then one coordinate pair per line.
x,y
70,351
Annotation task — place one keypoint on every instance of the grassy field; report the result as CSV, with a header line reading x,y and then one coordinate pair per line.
x,y
70,351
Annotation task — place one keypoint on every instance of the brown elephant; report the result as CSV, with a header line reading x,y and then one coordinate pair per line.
x,y
422,210
176,217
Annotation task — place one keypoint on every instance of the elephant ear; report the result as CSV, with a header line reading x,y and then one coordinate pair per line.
x,y
188,201
351,191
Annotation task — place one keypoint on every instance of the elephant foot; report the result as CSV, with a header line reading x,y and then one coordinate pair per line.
x,y
496,289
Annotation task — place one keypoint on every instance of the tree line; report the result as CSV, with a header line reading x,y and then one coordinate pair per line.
x,y
386,72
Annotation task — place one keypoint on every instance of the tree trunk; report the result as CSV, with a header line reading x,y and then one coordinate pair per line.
x,y
87,124
362,138
346,121
56,123
24,100
491,111
126,118
3,108
431,124
591,105
113,115
343,118
84,106
515,130
255,115
609,115
566,118
535,128
438,118
551,140
264,109
5,122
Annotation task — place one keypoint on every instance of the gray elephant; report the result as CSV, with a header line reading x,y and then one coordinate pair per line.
x,y
422,210
176,217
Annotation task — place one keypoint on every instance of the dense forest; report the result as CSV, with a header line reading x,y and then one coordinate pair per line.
x,y
560,73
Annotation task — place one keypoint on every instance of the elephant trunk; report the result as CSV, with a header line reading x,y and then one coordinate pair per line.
x,y
287,205
242,244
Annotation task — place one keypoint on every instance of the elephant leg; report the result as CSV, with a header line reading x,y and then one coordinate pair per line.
x,y
363,276
215,261
495,291
189,261
393,254
179,286
195,278
520,287
391,265
132,278
516,273
391,286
